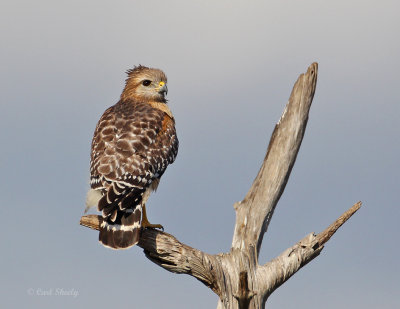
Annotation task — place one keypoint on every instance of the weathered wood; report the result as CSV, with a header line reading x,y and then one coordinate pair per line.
x,y
236,277
253,281
166,251
324,236
254,213
279,270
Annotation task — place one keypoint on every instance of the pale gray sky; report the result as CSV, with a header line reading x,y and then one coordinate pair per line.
x,y
231,66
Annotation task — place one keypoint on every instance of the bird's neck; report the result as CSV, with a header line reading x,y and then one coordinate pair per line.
x,y
162,106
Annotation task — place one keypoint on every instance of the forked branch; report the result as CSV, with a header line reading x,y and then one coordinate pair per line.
x,y
279,270
254,213
236,277
166,251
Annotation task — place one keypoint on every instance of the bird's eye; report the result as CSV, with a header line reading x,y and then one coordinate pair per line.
x,y
146,82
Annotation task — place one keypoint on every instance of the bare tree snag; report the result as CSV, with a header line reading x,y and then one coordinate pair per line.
x,y
280,269
236,277
271,180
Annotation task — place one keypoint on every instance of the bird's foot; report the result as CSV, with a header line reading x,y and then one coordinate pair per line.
x,y
146,224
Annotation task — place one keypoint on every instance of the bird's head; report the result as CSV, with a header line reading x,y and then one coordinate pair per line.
x,y
145,84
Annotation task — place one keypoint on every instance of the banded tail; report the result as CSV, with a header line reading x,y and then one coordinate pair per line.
x,y
121,208
124,231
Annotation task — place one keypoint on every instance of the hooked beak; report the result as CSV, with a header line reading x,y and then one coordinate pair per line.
x,y
162,88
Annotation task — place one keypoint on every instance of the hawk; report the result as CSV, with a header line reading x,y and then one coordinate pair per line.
x,y
133,143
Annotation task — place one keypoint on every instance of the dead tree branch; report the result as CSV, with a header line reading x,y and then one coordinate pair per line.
x,y
279,270
236,277
254,213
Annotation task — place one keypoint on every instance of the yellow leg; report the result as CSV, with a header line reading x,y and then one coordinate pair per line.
x,y
146,223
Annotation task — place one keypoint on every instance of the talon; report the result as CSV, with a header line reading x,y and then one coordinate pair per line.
x,y
146,224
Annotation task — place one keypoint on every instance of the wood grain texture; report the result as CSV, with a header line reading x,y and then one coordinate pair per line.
x,y
236,276
254,213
